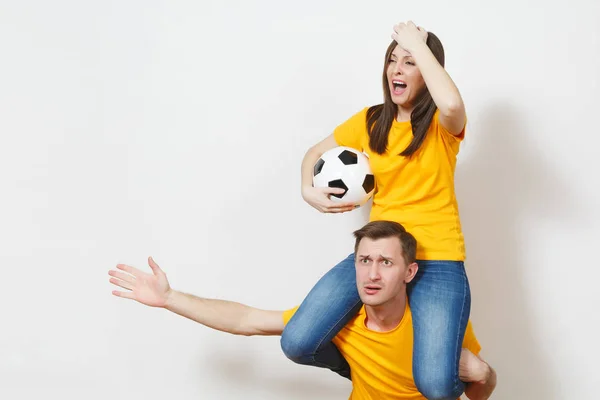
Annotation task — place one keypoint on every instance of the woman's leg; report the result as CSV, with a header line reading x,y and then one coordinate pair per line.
x,y
331,303
440,303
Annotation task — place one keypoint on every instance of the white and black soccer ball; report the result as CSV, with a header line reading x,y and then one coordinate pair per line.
x,y
348,169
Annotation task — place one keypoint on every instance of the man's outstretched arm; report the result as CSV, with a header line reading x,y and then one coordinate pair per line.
x,y
226,316
154,290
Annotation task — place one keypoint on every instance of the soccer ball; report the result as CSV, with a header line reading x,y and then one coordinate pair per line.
x,y
348,169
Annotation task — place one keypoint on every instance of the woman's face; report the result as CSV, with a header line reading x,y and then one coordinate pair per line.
x,y
405,81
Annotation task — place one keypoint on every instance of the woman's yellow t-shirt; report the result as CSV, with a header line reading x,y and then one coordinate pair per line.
x,y
417,192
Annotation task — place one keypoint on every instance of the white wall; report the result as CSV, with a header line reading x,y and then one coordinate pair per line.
x,y
176,129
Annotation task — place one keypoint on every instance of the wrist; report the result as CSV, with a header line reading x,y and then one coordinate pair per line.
x,y
419,50
170,299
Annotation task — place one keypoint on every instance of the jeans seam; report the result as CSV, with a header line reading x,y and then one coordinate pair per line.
x,y
332,328
457,381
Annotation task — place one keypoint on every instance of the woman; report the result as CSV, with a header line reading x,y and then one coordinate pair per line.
x,y
412,140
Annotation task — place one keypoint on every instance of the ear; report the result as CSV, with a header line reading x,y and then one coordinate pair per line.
x,y
411,271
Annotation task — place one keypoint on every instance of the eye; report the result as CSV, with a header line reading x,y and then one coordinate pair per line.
x,y
364,261
391,60
409,63
387,263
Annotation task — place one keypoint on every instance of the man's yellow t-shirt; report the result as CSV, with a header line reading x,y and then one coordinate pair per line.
x,y
381,362
417,192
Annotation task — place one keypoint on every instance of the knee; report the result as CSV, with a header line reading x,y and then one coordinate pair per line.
x,y
439,386
296,348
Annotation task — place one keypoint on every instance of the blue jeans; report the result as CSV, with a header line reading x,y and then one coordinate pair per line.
x,y
440,302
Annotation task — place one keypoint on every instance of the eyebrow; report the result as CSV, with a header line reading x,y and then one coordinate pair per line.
x,y
380,256
405,56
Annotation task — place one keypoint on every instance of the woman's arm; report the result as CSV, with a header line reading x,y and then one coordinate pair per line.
x,y
444,92
318,198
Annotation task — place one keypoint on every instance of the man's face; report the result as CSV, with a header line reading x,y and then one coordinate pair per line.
x,y
381,272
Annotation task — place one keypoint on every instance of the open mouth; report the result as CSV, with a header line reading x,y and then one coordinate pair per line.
x,y
399,86
372,289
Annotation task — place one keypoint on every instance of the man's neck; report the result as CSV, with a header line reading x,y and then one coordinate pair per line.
x,y
387,316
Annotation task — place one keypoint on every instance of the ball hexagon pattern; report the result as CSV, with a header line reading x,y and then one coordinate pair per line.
x,y
348,169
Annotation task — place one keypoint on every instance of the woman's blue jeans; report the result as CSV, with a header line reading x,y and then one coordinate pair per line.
x,y
440,300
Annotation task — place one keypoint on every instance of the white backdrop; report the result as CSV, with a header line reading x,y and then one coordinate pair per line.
x,y
176,129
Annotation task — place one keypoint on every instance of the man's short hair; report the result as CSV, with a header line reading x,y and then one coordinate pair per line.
x,y
385,229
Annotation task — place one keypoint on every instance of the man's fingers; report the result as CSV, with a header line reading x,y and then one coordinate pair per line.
x,y
122,276
126,295
120,283
153,265
129,269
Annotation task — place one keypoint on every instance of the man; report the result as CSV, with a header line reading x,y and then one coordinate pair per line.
x,y
377,343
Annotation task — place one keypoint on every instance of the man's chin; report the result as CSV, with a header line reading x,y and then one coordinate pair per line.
x,y
372,301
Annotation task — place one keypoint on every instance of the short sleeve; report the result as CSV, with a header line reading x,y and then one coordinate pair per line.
x,y
445,131
470,341
288,314
351,132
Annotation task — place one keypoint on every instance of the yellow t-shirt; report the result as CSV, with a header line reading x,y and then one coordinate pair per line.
x,y
381,362
417,192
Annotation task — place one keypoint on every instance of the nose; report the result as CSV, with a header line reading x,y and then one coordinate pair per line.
x,y
374,272
397,68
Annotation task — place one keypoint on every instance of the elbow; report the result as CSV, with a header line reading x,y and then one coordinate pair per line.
x,y
238,329
314,152
243,331
482,390
453,107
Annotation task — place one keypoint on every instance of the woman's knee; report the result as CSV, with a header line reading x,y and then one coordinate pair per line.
x,y
436,385
297,347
